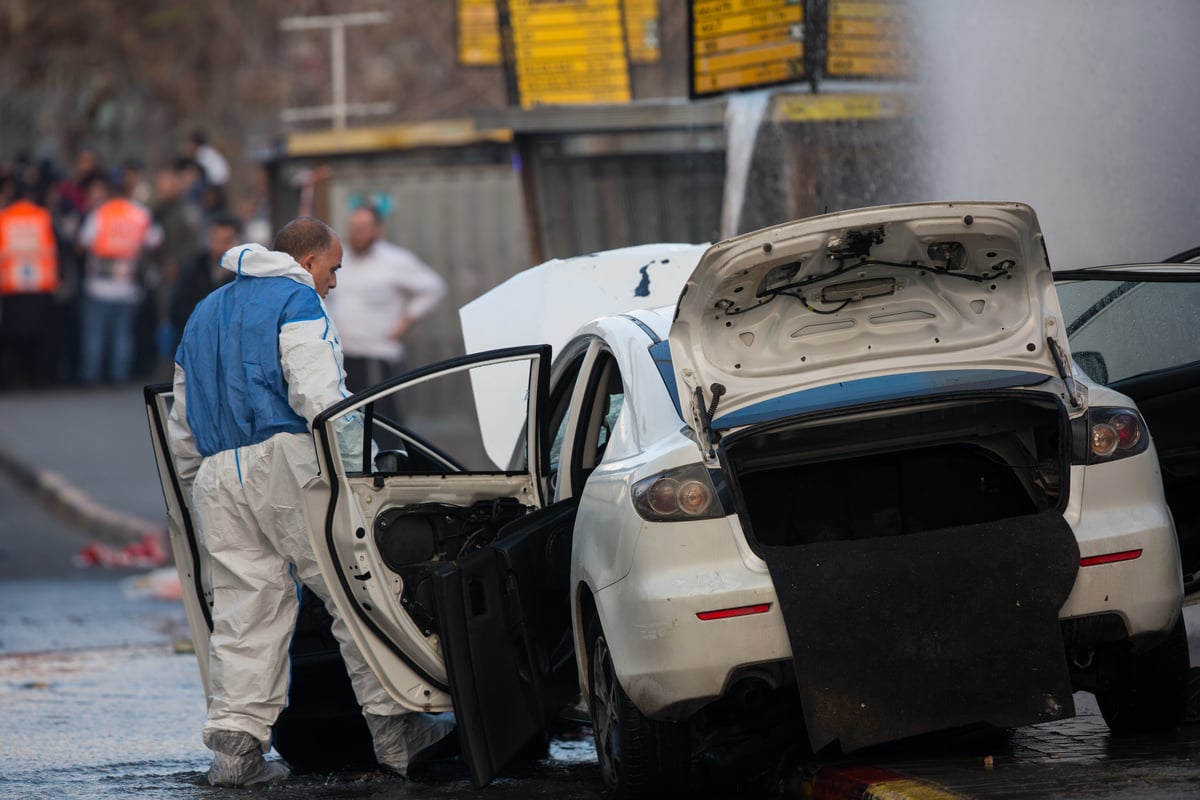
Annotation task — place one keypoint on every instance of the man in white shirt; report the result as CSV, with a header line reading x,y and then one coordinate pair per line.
x,y
382,290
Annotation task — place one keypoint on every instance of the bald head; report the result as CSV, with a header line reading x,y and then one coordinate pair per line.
x,y
304,236
315,246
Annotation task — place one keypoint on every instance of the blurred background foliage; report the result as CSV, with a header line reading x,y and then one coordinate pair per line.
x,y
134,77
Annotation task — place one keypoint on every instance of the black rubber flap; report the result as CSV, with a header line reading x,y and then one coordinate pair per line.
x,y
904,635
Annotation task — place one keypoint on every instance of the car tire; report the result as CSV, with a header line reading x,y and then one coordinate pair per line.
x,y
1151,689
639,757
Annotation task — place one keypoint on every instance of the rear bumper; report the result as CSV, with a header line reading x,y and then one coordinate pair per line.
x,y
1119,507
670,662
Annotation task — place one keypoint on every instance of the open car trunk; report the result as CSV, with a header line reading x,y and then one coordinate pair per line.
x,y
897,472
920,558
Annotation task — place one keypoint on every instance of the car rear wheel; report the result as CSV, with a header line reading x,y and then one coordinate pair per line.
x,y
1151,689
639,757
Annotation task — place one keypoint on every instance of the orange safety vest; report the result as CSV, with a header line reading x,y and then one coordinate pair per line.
x,y
28,253
121,228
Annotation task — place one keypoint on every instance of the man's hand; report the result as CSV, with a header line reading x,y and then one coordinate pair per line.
x,y
401,328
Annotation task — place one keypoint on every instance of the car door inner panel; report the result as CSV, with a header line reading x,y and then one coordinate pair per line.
x,y
505,622
416,540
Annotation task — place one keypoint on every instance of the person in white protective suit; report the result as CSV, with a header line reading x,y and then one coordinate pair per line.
x,y
258,361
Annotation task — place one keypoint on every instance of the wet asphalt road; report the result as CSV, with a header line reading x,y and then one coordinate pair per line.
x,y
96,702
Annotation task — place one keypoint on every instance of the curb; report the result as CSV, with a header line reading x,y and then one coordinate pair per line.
x,y
104,525
856,782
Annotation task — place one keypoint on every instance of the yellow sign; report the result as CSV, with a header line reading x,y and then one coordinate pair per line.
x,y
741,44
868,39
760,75
585,51
478,33
873,9
833,107
568,51
642,31
565,16
741,59
607,70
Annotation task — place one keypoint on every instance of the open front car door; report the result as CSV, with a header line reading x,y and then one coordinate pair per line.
x,y
428,533
1134,329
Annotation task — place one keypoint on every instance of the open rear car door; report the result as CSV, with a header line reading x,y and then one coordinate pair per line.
x,y
444,562
1134,328
190,556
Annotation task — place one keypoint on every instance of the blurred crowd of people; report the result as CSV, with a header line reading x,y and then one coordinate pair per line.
x,y
101,264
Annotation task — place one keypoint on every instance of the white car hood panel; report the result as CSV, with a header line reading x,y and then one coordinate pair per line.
x,y
547,304
729,333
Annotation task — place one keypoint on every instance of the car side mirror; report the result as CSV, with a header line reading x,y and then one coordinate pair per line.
x,y
1093,364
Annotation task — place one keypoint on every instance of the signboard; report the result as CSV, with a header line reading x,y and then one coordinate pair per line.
x,y
478,33
642,33
838,107
745,44
566,51
868,39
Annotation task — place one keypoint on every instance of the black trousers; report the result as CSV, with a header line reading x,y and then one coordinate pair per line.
x,y
29,339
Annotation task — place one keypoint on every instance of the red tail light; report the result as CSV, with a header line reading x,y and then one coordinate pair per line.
x,y
1115,433
740,611
1110,558
677,495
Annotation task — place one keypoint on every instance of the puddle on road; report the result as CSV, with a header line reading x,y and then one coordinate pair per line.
x,y
98,704
99,723
108,723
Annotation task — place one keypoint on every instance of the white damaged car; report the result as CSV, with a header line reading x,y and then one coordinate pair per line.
x,y
849,485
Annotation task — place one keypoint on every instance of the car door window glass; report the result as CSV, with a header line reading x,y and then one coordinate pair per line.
x,y
560,402
1121,329
440,442
616,402
599,417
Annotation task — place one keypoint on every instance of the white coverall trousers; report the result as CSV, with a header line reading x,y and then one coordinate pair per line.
x,y
252,523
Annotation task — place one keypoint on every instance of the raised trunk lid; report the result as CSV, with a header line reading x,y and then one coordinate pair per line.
x,y
860,294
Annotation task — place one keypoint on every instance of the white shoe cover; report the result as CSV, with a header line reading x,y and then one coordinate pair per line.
x,y
399,740
238,761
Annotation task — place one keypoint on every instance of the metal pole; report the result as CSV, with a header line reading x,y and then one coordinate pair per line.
x,y
339,109
337,43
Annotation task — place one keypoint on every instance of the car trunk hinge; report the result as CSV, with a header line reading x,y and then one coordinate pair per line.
x,y
705,414
1064,371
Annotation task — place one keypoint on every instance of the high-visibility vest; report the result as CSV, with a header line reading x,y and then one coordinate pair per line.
x,y
28,253
121,227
